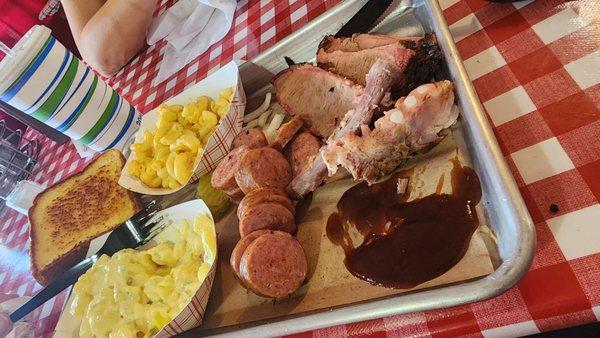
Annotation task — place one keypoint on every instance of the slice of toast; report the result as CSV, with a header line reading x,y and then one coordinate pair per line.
x,y
65,217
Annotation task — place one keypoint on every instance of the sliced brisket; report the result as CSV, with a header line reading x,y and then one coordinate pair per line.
x,y
318,97
417,58
379,79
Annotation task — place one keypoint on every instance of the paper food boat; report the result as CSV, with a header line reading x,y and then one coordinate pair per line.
x,y
220,141
191,316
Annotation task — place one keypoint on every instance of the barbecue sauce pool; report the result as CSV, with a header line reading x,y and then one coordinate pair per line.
x,y
406,243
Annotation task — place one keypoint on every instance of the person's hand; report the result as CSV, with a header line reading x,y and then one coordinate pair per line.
x,y
6,324
8,304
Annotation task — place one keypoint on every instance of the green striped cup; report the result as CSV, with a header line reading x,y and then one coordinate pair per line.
x,y
46,81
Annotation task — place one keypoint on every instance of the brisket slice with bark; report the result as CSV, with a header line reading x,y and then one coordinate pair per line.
x,y
360,42
318,97
417,58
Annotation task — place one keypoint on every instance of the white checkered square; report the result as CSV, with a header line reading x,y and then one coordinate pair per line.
x,y
447,3
509,106
558,25
215,53
484,62
137,93
240,53
586,70
239,35
298,14
193,68
268,35
268,15
465,27
146,62
242,17
577,232
514,330
542,160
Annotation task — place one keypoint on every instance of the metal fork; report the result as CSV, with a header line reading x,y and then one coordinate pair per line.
x,y
136,231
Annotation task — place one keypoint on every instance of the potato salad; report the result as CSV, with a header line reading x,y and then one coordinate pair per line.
x,y
167,156
135,293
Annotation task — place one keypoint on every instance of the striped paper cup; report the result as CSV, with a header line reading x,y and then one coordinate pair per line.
x,y
46,81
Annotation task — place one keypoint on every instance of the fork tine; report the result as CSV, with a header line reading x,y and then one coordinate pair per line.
x,y
150,232
145,218
143,227
150,204
142,215
147,228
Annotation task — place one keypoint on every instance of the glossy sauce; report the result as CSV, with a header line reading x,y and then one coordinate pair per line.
x,y
406,243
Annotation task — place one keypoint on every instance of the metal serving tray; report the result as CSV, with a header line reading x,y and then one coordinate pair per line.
x,y
504,209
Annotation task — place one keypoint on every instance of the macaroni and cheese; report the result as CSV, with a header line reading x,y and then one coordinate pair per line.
x,y
166,157
136,293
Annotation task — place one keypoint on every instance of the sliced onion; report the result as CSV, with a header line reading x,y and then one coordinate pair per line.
x,y
277,108
260,110
262,120
272,129
251,124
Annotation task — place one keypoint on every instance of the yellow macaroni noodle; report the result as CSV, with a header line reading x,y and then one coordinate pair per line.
x,y
136,293
166,157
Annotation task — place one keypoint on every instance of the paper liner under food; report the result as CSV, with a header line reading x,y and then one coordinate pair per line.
x,y
220,141
192,314
329,283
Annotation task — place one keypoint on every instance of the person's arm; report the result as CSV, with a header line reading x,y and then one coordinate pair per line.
x,y
78,13
110,37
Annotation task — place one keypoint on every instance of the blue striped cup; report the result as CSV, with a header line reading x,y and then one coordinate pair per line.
x,y
46,81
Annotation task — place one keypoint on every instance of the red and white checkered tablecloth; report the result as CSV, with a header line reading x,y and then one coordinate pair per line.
x,y
536,68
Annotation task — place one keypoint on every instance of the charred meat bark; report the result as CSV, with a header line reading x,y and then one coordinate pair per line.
x,y
418,59
426,62
360,42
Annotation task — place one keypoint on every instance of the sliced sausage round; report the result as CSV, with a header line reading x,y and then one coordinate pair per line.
x,y
251,138
224,175
301,150
262,195
274,265
238,251
236,194
263,167
286,133
268,216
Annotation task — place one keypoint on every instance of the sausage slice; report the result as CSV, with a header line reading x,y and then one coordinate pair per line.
x,y
286,133
236,194
238,251
268,215
303,148
224,175
274,265
251,138
263,167
262,195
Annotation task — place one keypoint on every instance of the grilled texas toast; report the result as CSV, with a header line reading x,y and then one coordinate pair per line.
x,y
65,217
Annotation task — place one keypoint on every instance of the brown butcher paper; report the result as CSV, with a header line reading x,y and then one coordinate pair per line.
x,y
329,282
